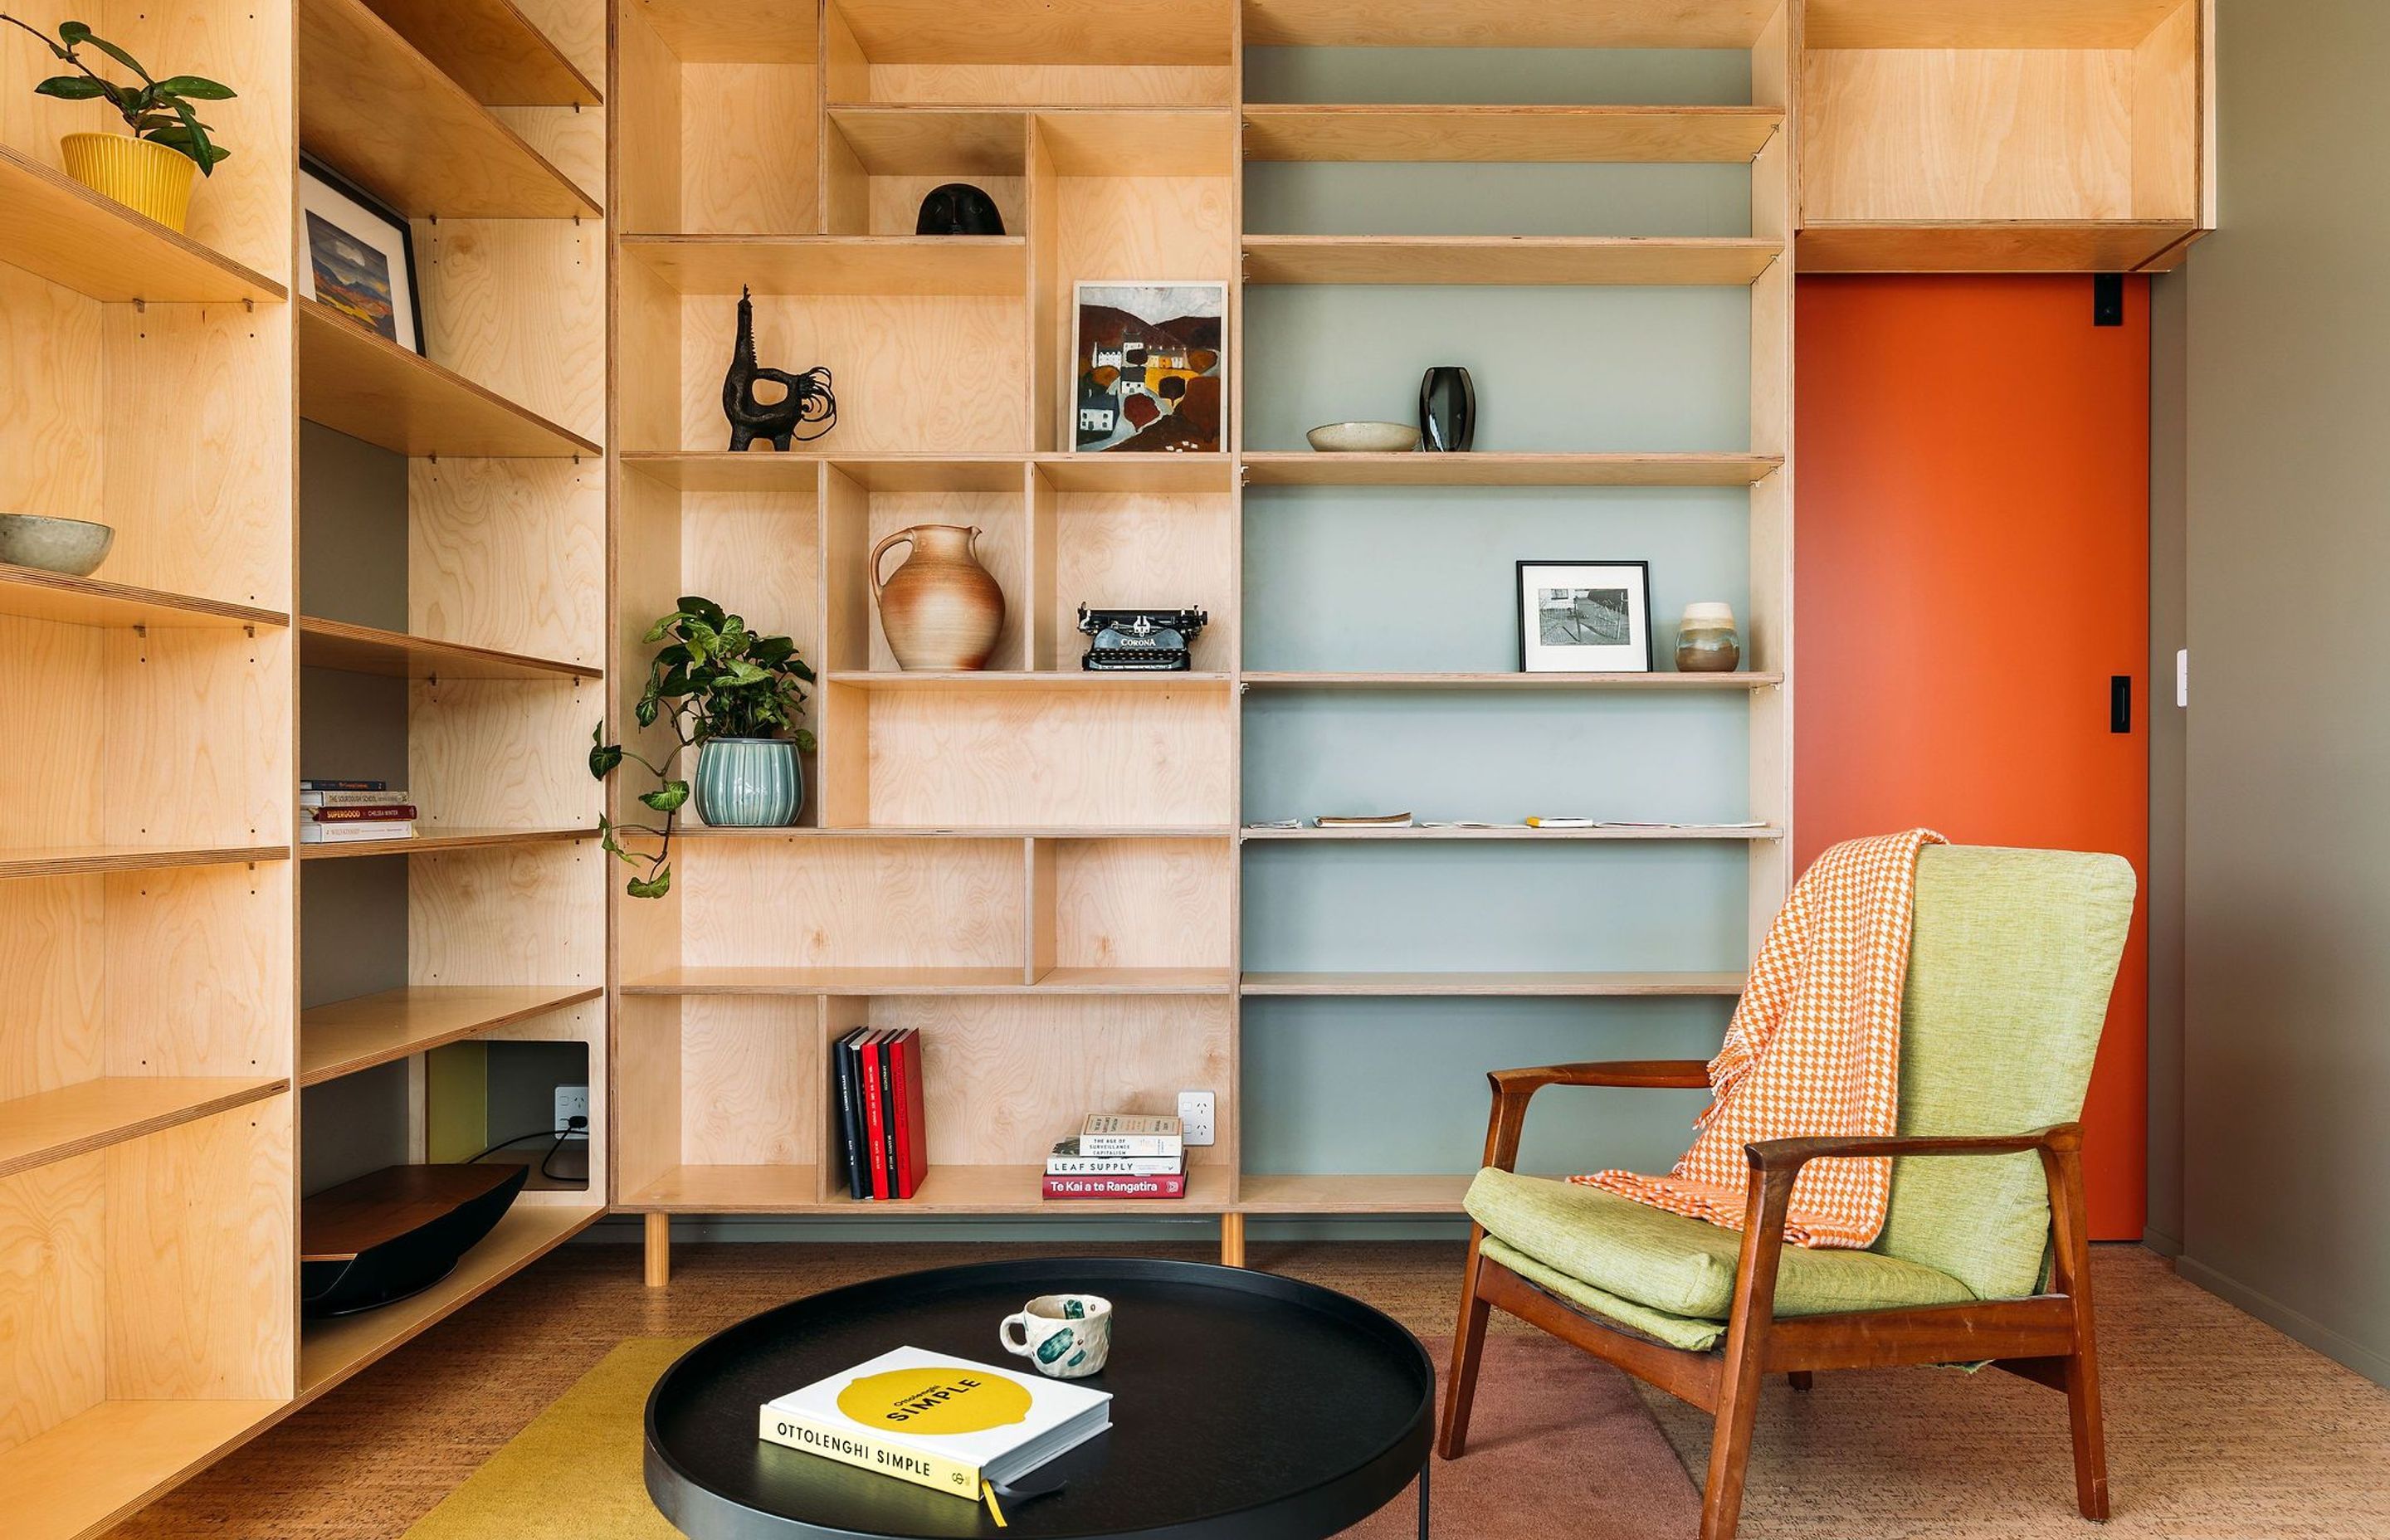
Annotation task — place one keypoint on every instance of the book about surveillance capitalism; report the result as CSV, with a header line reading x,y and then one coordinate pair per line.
x,y
940,1422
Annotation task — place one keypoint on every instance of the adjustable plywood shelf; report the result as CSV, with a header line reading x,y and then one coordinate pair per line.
x,y
370,388
1398,835
864,981
83,1475
1494,24
427,842
1508,133
1996,246
1015,1190
491,49
965,831
1502,260
1014,679
977,265
55,226
367,650
31,593
1260,1192
373,105
1301,468
345,1036
92,1114
70,860
1495,985
331,1351
1639,681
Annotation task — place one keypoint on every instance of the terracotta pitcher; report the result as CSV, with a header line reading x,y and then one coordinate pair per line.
x,y
941,609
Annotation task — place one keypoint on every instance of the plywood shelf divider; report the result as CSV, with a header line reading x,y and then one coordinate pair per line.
x,y
1495,985
54,226
370,388
1398,836
71,860
1529,469
1512,681
92,1114
433,839
344,1036
394,654
1390,133
371,103
491,49
710,264
330,1350
1707,261
31,593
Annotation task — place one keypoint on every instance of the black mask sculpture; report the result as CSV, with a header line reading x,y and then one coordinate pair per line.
x,y
808,402
958,208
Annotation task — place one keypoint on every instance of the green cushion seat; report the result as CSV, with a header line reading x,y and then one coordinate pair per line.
x,y
2010,966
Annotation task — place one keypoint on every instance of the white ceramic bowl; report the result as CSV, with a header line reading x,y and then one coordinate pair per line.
x,y
71,545
1364,438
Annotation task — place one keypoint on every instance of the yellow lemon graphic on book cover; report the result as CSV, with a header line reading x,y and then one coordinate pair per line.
x,y
935,1398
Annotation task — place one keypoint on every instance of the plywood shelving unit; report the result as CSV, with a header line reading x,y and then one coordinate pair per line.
x,y
152,1045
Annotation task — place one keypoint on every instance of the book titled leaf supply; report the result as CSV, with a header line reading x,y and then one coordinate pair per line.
x,y
945,1423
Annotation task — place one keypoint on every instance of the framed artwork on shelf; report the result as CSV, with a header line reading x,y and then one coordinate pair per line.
x,y
359,256
1149,367
1584,617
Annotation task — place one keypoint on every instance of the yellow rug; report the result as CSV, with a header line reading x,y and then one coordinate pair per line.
x,y
589,1445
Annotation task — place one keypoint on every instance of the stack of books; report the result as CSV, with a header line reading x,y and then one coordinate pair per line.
x,y
1120,1155
343,812
876,1084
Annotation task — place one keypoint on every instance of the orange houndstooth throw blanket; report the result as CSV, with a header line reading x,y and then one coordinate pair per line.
x,y
1814,1049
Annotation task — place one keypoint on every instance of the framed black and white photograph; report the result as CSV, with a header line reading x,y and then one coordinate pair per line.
x,y
357,256
1584,617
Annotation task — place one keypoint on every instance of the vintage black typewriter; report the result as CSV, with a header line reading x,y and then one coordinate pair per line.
x,y
1153,640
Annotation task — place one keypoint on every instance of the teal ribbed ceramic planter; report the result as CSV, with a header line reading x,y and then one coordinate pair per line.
x,y
748,782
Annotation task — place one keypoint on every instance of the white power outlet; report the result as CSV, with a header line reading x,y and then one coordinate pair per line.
x,y
571,1101
1199,1116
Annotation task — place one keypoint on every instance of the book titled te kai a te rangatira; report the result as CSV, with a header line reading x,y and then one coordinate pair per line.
x,y
1165,1184
945,1423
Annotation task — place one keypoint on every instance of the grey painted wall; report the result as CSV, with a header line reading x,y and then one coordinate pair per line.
x,y
2169,389
2286,1064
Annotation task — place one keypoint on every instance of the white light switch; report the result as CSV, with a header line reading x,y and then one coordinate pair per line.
x,y
2183,677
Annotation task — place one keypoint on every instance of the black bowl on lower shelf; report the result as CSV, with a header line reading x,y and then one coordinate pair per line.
x,y
396,1232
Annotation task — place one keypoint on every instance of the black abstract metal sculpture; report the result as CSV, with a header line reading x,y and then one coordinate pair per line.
x,y
809,403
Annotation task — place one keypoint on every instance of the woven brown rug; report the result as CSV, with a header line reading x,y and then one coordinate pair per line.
x,y
1562,1446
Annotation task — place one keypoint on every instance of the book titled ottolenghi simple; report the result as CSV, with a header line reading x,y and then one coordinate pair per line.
x,y
940,1422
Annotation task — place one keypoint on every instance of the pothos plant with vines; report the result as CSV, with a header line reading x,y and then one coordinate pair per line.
x,y
712,678
159,110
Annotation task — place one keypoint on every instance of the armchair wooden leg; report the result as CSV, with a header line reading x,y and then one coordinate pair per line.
x,y
1731,1436
2091,1435
1467,1349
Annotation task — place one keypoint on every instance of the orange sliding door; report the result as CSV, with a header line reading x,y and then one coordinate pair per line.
x,y
1973,576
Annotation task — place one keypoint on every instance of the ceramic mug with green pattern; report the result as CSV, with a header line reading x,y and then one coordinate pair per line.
x,y
1067,1336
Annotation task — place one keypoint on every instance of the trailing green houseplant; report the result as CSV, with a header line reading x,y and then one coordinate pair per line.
x,y
738,698
150,172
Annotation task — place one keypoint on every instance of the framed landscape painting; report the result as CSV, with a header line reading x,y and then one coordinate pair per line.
x,y
356,256
1149,367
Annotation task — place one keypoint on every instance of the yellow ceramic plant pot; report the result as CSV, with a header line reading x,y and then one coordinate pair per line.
x,y
147,178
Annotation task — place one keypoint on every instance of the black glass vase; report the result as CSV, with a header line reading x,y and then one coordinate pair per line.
x,y
1447,417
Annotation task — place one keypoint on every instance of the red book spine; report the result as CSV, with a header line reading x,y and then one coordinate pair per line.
x,y
395,812
1172,1186
875,1117
912,1129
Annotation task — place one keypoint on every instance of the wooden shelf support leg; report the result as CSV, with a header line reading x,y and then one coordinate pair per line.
x,y
658,1250
1233,1240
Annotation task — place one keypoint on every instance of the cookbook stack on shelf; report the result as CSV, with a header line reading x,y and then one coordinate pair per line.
x,y
1120,1155
348,812
876,1075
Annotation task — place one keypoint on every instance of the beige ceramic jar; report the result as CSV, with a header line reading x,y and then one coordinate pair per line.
x,y
940,610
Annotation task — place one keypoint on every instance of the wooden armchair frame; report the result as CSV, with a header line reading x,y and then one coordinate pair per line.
x,y
2045,1338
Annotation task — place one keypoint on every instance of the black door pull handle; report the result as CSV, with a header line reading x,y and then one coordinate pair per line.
x,y
2120,704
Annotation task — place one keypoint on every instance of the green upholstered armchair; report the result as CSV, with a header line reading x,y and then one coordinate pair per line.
x,y
1983,1254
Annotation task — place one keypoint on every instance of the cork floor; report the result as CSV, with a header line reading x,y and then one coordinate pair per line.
x,y
2219,1427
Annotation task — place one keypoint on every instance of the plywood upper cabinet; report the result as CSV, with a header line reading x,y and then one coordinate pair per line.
x,y
2046,136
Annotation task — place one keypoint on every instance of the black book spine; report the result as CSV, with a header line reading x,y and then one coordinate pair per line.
x,y
849,1114
888,1099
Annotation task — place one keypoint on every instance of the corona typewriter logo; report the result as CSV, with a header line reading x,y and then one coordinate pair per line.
x,y
935,1398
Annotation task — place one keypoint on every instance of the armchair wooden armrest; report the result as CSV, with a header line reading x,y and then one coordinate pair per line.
x,y
1513,1087
1791,1155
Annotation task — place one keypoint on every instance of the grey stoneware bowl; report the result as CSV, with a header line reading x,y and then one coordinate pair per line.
x,y
1364,438
74,547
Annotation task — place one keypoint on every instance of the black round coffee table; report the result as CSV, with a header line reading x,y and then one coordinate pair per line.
x,y
1245,1407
